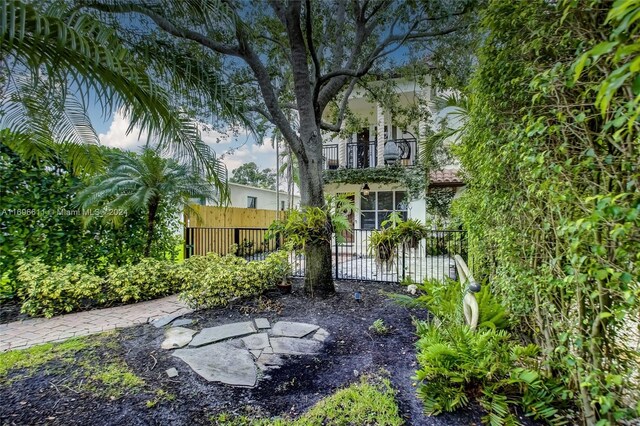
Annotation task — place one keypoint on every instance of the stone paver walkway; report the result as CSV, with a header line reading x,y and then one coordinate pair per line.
x,y
23,334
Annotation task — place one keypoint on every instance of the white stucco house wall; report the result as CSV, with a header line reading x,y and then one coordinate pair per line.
x,y
245,196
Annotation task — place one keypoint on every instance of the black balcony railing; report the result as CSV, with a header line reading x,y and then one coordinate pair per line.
x,y
408,150
362,155
330,157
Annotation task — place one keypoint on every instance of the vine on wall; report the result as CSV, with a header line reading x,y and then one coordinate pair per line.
x,y
412,178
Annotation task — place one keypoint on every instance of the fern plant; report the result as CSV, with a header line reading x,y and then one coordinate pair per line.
x,y
458,364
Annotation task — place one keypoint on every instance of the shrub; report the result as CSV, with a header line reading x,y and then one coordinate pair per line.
x,y
457,363
48,291
146,280
444,301
214,280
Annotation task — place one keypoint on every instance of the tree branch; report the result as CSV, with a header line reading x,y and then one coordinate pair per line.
x,y
165,25
335,127
310,46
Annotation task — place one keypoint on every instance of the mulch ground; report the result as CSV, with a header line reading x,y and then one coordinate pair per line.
x,y
351,350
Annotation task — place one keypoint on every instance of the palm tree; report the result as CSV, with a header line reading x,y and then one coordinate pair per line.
x,y
55,59
434,151
145,182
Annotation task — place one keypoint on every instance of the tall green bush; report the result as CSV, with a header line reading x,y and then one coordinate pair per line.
x,y
551,153
38,218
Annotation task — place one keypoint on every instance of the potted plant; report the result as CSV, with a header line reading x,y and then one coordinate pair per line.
x,y
383,244
411,232
279,268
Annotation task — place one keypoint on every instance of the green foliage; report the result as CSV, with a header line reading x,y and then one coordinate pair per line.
x,y
148,279
312,225
410,177
49,291
438,201
250,174
379,327
53,51
383,243
457,364
551,151
40,219
371,401
90,366
115,380
146,183
444,301
31,358
214,280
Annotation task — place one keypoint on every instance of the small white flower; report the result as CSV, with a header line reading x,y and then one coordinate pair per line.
x,y
412,289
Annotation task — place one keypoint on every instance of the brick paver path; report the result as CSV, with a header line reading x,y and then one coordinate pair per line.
x,y
23,334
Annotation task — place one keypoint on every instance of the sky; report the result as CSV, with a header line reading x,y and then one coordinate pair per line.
x,y
234,150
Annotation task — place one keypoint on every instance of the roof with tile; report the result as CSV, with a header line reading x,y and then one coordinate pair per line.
x,y
446,177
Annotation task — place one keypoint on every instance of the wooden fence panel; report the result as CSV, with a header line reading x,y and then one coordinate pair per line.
x,y
230,217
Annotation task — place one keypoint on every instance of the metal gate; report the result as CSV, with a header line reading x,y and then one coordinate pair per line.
x,y
352,258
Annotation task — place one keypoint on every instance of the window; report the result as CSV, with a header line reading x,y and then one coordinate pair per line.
x,y
377,206
281,205
252,202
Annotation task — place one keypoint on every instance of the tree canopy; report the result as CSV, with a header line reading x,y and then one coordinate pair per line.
x,y
250,174
297,62
57,59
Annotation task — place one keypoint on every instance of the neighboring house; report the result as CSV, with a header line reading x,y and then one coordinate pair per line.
x,y
384,144
245,196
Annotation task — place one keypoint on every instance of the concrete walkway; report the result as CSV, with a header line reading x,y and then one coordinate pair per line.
x,y
23,334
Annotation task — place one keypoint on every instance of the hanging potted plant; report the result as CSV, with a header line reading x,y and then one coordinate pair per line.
x,y
382,245
411,232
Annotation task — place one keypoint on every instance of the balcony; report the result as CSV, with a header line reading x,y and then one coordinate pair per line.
x,y
359,155
362,155
330,157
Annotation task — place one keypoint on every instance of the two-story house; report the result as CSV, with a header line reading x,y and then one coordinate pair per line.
x,y
368,165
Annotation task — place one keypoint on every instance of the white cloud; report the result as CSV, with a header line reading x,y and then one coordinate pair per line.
x,y
263,155
117,137
234,146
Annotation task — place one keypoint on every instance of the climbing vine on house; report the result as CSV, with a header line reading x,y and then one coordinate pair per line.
x,y
552,152
438,201
413,178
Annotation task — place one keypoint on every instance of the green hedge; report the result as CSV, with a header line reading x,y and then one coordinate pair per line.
x,y
213,280
206,281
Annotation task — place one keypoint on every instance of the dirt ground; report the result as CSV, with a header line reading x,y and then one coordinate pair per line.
x,y
352,349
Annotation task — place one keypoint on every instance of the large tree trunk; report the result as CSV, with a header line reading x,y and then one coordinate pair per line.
x,y
318,279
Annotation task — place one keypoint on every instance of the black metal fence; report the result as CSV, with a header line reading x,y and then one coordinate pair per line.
x,y
353,258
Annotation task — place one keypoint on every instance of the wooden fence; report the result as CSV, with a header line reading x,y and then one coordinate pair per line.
x,y
230,217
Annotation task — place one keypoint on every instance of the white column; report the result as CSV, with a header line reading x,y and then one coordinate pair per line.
x,y
426,108
342,152
380,134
